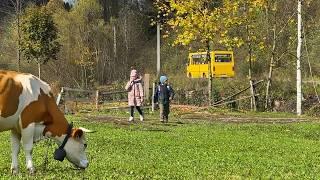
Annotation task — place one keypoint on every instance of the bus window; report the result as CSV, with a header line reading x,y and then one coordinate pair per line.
x,y
199,59
222,58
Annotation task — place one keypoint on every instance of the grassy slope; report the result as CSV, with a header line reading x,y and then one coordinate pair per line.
x,y
185,151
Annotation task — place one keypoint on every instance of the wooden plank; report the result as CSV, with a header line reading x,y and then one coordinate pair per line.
x,y
113,100
78,90
94,96
114,92
78,99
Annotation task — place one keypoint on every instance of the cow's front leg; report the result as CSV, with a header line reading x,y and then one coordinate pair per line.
x,y
15,148
27,141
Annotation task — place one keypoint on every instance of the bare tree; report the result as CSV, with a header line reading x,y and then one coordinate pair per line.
x,y
14,8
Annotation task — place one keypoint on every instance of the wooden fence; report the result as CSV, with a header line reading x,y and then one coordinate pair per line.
x,y
98,97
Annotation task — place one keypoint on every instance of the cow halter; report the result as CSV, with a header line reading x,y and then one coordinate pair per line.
x,y
60,153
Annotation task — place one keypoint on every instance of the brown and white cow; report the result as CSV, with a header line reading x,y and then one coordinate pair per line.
x,y
28,109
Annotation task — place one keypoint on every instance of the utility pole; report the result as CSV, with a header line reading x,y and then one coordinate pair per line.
x,y
209,73
209,59
158,65
158,49
299,92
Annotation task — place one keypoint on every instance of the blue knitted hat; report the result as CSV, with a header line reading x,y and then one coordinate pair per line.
x,y
163,79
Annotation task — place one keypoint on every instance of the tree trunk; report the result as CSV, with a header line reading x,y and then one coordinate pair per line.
x,y
126,41
267,102
114,41
85,77
96,72
18,13
114,52
126,38
252,91
299,91
105,59
253,96
82,77
158,50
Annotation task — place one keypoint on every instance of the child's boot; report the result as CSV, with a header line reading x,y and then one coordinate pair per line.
x,y
141,118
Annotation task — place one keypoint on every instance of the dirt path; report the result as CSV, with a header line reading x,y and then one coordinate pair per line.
x,y
187,119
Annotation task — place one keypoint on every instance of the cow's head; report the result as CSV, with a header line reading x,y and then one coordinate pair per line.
x,y
75,148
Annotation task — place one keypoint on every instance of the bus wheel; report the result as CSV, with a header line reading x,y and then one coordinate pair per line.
x,y
189,75
204,75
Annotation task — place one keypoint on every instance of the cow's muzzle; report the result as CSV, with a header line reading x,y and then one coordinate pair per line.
x,y
84,164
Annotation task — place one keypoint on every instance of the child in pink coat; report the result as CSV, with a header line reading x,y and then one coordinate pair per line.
x,y
135,94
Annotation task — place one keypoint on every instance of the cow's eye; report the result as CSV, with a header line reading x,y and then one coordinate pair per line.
x,y
85,145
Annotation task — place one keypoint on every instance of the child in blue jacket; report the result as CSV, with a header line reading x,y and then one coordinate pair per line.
x,y
163,95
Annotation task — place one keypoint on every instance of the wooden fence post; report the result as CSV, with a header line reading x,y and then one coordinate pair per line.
x,y
146,86
152,99
59,96
66,96
97,99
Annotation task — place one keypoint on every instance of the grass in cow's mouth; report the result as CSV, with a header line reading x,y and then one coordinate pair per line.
x,y
182,149
77,168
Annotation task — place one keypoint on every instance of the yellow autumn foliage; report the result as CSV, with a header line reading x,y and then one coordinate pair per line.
x,y
205,20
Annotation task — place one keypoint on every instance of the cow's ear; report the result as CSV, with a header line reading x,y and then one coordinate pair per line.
x,y
77,133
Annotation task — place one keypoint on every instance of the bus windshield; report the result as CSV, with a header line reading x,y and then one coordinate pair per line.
x,y
222,58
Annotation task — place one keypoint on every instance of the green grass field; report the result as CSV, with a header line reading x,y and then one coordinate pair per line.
x,y
183,150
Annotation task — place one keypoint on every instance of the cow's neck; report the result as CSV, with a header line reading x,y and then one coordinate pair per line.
x,y
59,139
57,130
57,134
40,133
56,124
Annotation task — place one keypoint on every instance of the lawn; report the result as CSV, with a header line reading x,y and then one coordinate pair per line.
x,y
183,150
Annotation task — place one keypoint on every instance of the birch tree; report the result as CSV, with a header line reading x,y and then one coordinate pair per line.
x,y
299,80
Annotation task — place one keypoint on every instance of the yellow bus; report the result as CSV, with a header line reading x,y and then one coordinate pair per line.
x,y
222,64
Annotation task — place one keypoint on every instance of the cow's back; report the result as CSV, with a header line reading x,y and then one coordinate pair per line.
x,y
17,91
10,91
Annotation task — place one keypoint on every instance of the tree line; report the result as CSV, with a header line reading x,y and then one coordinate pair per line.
x,y
99,40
